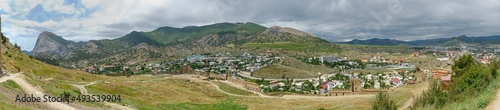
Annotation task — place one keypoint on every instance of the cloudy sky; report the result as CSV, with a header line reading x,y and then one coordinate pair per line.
x,y
334,20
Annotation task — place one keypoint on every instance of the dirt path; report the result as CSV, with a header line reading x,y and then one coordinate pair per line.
x,y
416,92
30,89
5,78
84,91
242,88
495,104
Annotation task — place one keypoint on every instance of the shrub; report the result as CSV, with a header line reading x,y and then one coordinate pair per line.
x,y
434,97
383,102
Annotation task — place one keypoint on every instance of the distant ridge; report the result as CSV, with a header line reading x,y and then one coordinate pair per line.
x,y
453,41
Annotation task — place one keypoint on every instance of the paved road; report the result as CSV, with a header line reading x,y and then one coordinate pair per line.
x,y
30,89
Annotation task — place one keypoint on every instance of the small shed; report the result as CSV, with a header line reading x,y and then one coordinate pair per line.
x,y
445,82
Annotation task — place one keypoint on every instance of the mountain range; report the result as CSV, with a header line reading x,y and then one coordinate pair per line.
x,y
165,42
462,40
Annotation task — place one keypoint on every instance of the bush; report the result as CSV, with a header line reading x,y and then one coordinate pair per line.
x,y
383,102
473,81
473,85
434,97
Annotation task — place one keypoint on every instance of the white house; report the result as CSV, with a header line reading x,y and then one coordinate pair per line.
x,y
443,59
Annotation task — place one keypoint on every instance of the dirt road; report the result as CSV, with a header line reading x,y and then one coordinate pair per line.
x,y
5,78
84,91
30,89
495,104
416,92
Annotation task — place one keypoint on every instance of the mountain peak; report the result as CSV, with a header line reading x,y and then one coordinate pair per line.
x,y
277,29
378,41
50,44
462,36
51,36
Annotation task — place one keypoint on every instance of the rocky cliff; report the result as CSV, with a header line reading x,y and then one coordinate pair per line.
x,y
49,45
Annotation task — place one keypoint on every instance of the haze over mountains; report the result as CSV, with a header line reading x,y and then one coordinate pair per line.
x,y
453,41
166,42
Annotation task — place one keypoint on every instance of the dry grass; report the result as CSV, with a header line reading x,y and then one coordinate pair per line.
x,y
304,104
154,94
233,90
8,96
52,80
292,68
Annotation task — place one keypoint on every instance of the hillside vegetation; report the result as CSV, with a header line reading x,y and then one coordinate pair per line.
x,y
292,68
465,90
290,46
171,43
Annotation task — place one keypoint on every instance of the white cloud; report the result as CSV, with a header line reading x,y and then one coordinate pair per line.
x,y
90,3
4,6
335,20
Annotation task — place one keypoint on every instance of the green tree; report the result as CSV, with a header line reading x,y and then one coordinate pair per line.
x,y
4,39
462,64
433,97
383,102
494,66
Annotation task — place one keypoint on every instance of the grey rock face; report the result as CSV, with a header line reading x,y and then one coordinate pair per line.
x,y
50,45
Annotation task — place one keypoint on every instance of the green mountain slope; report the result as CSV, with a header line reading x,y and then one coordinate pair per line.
x,y
170,42
284,34
452,41
170,35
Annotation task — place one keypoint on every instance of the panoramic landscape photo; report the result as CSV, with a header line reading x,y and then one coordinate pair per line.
x,y
249,55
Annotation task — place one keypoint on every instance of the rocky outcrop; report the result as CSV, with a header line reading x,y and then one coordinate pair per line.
x,y
285,34
221,40
49,45
275,30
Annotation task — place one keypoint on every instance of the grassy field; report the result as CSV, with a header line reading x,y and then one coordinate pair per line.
x,y
9,91
277,71
294,46
145,92
304,104
428,62
399,95
167,93
292,68
233,90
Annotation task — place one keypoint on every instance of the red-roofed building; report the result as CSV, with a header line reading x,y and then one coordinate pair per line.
x,y
437,74
445,82
324,86
396,81
410,82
